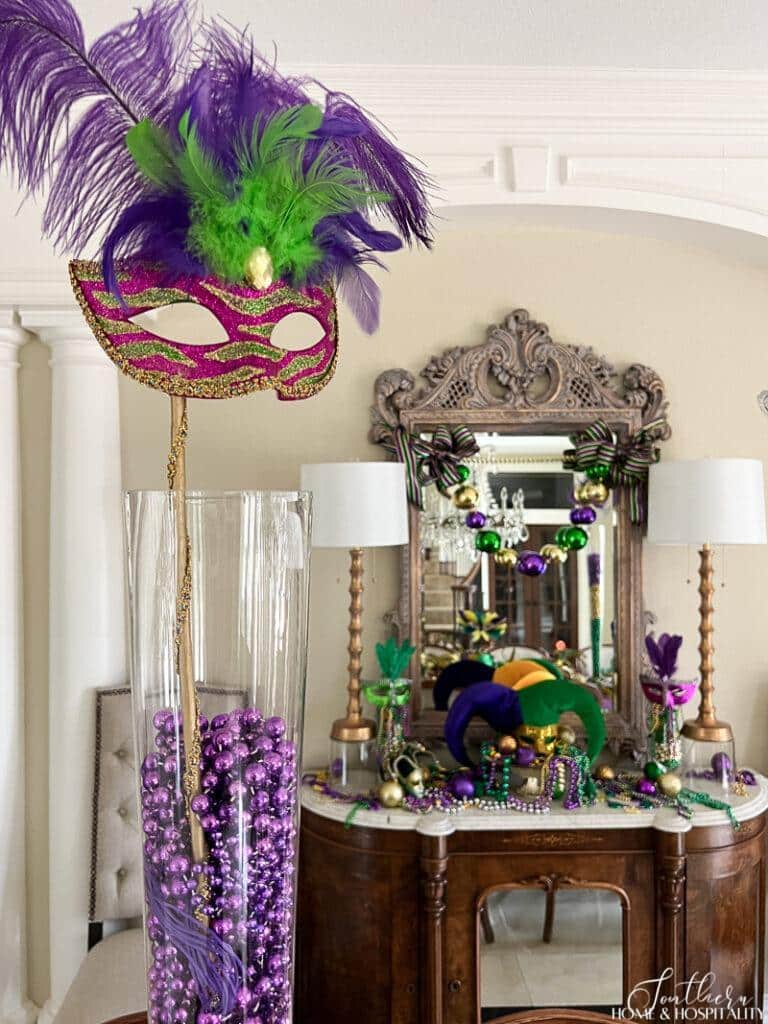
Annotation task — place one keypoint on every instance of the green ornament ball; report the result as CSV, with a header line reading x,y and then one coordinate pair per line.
x,y
464,473
560,537
576,538
653,770
488,541
599,472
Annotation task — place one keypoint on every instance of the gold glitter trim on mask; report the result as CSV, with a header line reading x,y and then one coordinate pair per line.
x,y
149,297
258,307
241,349
227,386
145,349
300,363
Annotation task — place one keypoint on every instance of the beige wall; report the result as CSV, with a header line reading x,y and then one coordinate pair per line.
x,y
696,315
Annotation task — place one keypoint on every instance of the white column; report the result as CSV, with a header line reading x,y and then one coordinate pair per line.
x,y
87,626
14,1006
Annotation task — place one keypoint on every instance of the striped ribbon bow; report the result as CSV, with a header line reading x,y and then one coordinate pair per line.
x,y
628,460
434,461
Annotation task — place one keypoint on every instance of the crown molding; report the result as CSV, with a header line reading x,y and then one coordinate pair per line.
x,y
684,144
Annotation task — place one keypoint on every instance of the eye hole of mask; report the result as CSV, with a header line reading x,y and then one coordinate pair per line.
x,y
185,322
297,331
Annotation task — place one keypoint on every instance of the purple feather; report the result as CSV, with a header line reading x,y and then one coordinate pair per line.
x,y
155,229
593,569
662,654
386,169
64,110
240,86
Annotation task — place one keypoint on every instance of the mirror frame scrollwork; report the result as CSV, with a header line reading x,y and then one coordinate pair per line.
x,y
520,377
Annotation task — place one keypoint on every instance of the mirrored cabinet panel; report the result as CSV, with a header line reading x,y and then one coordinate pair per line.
x,y
549,944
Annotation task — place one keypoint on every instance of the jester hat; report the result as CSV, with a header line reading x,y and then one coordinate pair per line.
x,y
508,709
200,175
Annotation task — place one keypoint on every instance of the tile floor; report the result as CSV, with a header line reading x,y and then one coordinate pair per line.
x,y
580,967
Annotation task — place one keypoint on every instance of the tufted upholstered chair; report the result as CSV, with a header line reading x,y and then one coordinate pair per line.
x,y
111,980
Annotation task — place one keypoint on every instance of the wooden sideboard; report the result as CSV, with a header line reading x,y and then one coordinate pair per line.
x,y
388,921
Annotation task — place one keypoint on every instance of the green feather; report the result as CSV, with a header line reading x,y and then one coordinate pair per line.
x,y
393,658
273,202
152,152
296,124
199,172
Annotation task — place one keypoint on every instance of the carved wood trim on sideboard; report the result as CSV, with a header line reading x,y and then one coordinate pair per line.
x,y
434,866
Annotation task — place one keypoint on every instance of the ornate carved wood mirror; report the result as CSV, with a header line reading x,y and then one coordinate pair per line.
x,y
523,394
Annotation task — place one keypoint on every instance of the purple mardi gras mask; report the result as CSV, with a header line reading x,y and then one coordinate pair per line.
x,y
246,361
662,654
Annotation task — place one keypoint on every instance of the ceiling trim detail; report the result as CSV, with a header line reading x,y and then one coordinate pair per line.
x,y
690,144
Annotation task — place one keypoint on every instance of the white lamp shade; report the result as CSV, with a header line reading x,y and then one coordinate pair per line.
x,y
357,504
706,501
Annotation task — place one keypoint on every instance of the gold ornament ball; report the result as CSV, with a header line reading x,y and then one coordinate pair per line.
x,y
554,553
506,745
507,556
465,497
593,492
605,773
391,793
566,734
669,784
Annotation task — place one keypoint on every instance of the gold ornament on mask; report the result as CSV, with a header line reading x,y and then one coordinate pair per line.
x,y
540,737
465,497
593,492
259,271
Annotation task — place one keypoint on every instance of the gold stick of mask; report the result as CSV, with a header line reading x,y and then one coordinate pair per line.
x,y
190,710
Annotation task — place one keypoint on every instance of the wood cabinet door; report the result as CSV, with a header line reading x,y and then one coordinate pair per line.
x,y
623,869
725,907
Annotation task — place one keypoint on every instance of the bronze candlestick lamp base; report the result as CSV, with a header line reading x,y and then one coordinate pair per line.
x,y
706,726
353,728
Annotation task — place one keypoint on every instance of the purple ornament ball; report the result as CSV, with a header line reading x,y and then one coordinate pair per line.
x,y
721,765
646,787
583,515
525,756
462,786
531,563
475,520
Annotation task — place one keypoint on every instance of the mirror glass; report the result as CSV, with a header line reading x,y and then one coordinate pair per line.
x,y
530,938
526,497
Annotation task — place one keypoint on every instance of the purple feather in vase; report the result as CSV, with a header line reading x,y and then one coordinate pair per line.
x,y
662,654
593,569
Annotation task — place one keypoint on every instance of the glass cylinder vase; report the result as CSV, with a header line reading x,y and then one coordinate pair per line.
x,y
218,587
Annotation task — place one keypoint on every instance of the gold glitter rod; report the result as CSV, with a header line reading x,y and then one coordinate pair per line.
x,y
177,482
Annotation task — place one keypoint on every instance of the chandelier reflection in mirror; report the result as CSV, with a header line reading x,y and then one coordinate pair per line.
x,y
444,528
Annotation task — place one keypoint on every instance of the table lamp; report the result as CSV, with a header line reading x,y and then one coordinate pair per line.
x,y
707,502
355,505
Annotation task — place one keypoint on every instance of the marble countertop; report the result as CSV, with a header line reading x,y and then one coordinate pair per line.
x,y
599,816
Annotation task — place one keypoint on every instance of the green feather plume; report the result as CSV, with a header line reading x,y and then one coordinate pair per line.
x,y
393,658
275,201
